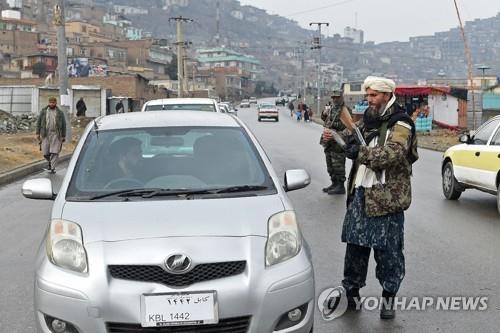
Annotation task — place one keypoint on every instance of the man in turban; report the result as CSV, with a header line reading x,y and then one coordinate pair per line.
x,y
379,191
51,132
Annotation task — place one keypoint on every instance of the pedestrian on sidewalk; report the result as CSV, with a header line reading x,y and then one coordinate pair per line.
x,y
334,154
51,133
291,107
81,108
306,113
379,192
300,108
119,108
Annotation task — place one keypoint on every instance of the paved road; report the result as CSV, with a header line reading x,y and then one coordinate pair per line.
x,y
451,247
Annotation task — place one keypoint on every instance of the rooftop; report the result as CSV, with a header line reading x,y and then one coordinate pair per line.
x,y
166,119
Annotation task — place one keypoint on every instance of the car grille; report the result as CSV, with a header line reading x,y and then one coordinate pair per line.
x,y
231,325
202,272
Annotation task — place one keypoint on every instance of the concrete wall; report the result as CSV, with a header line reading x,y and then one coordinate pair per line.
x,y
444,109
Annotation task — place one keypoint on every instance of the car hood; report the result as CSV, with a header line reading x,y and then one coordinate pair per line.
x,y
228,217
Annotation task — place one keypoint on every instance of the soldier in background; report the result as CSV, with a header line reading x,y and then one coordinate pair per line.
x,y
378,194
334,154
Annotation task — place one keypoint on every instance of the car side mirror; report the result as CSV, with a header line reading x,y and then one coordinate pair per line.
x,y
296,179
40,188
465,138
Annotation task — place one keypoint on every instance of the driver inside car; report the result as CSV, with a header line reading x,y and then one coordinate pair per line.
x,y
125,156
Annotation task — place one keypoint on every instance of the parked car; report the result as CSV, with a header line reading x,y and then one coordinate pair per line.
x,y
229,108
253,100
267,111
245,103
182,104
474,164
172,219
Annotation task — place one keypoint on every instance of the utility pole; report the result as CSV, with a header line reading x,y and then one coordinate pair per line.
x,y
317,45
180,53
62,64
469,65
301,54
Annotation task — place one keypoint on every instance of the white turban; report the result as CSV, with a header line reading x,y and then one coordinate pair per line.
x,y
379,84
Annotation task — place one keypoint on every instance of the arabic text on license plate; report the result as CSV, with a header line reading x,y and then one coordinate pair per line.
x,y
169,309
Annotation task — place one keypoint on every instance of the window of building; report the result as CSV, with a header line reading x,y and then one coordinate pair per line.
x,y
355,86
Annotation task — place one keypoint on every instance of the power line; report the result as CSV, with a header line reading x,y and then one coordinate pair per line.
x,y
320,8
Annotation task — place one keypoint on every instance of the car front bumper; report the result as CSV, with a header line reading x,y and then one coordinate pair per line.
x,y
90,302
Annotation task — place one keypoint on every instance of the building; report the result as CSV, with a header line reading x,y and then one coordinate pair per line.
x,y
357,35
144,56
18,37
38,64
491,102
222,57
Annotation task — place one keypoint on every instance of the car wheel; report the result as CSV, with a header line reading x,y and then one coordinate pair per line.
x,y
277,119
498,198
451,187
258,119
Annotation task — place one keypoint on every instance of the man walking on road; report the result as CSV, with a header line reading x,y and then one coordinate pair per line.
x,y
379,193
334,154
291,107
51,132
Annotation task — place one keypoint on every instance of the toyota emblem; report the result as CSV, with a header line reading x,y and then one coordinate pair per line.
x,y
178,264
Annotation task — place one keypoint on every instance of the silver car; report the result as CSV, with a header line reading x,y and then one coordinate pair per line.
x,y
172,222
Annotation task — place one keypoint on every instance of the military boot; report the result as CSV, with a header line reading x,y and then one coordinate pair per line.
x,y
352,297
387,310
337,189
326,189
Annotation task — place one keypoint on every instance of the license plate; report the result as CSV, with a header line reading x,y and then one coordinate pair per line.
x,y
184,308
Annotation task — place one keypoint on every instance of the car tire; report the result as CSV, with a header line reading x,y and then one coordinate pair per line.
x,y
498,198
277,119
259,119
451,187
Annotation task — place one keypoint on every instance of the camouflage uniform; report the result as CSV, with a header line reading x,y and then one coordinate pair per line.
x,y
374,217
335,156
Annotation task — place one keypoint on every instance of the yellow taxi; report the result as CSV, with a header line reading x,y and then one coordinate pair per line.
x,y
475,163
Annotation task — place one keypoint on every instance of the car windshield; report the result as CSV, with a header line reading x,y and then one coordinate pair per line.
x,y
181,107
178,159
267,106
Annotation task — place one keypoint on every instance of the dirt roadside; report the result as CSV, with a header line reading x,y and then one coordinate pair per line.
x,y
21,148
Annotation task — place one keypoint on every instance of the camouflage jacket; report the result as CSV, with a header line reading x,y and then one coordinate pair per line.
x,y
395,194
331,120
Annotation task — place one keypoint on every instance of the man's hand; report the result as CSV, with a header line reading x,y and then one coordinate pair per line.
x,y
63,139
38,139
352,147
327,134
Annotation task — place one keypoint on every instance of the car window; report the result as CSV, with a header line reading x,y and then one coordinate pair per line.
x,y
166,158
181,107
496,139
484,132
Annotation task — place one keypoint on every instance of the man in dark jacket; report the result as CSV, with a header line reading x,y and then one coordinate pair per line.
x,y
51,133
81,108
379,193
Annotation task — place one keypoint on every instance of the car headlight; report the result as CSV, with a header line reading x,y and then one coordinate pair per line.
x,y
65,246
283,239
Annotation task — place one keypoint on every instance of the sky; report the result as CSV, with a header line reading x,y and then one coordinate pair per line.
x,y
381,20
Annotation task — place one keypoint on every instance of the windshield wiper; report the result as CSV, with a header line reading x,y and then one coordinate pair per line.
x,y
125,193
241,188
153,192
